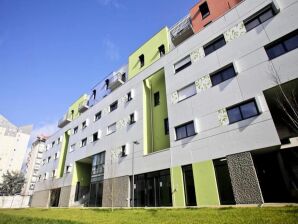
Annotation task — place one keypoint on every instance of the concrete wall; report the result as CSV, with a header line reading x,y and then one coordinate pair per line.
x,y
41,199
14,201
65,196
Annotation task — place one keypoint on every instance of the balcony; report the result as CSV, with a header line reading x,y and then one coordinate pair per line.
x,y
83,106
115,80
66,119
181,30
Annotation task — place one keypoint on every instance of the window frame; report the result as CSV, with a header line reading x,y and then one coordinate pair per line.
x,y
83,142
123,151
183,88
75,130
142,60
156,99
212,43
96,118
184,66
200,6
95,139
166,126
112,105
219,73
185,126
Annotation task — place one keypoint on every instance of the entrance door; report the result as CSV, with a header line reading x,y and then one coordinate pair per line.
x,y
96,190
189,186
54,198
151,192
224,183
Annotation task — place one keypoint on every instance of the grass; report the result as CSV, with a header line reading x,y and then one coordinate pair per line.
x,y
227,215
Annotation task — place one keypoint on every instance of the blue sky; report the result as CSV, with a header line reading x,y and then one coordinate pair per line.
x,y
53,51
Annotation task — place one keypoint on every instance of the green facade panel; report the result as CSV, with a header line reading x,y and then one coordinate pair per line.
x,y
150,51
177,187
205,183
73,110
63,152
82,174
155,138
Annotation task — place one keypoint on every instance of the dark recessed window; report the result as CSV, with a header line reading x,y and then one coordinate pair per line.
x,y
259,18
282,45
114,106
123,151
214,45
95,137
84,124
162,50
84,142
185,130
156,99
132,118
204,9
53,143
129,97
166,126
182,64
94,94
142,60
242,111
123,77
223,75
75,130
97,116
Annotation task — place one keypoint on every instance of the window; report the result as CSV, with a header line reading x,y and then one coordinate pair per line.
x,y
59,140
49,159
223,75
72,147
56,155
68,168
53,173
97,116
182,64
142,60
45,176
187,91
204,9
242,111
123,77
156,99
114,106
282,45
259,18
111,128
132,118
95,137
84,142
75,130
123,151
43,161
214,45
185,130
166,126
129,97
94,94
53,143
39,177
161,50
84,124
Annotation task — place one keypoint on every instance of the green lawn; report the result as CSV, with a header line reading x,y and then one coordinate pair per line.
x,y
266,215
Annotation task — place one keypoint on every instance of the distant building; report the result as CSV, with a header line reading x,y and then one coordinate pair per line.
x,y
13,145
33,163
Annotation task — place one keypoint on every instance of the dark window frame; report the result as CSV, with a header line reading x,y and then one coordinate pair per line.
x,y
203,7
241,114
123,151
132,118
219,73
114,106
95,137
142,60
156,98
212,44
166,126
129,96
75,129
162,50
183,66
185,126
83,142
97,116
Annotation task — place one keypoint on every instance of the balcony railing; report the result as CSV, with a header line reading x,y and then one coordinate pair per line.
x,y
181,30
66,119
115,80
83,106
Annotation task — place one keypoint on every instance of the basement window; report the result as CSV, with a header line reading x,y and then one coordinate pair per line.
x,y
204,9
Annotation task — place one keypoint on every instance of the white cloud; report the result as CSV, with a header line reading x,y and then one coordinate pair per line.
x,y
111,50
44,128
113,3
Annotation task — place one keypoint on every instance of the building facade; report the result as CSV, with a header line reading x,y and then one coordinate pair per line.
x,y
202,115
33,162
13,145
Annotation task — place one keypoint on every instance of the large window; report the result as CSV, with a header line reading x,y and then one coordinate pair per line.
x,y
282,45
222,75
187,91
182,64
242,111
214,45
185,130
259,18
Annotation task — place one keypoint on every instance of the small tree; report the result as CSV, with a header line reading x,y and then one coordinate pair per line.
x,y
12,183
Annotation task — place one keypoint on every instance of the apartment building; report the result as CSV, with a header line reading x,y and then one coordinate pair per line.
x,y
13,145
33,162
202,114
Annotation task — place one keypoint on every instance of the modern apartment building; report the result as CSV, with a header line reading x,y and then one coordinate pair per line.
x,y
33,162
203,114
13,145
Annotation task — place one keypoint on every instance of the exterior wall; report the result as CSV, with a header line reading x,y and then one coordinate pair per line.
x,y
116,190
215,137
150,51
216,9
17,201
205,183
40,199
63,153
65,196
75,106
244,179
13,145
177,187
154,130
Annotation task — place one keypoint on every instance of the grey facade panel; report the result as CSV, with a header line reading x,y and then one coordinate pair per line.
x,y
40,199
